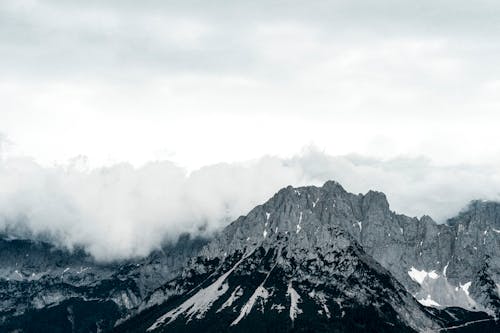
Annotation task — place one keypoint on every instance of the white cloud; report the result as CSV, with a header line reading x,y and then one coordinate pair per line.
x,y
167,76
122,211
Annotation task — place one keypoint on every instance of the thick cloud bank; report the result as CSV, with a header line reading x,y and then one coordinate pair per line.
x,y
121,211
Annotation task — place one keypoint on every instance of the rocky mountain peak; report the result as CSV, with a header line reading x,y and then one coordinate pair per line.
x,y
332,186
374,201
291,260
479,213
310,256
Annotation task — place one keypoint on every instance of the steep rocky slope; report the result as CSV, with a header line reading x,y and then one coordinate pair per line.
x,y
38,280
316,279
310,258
320,232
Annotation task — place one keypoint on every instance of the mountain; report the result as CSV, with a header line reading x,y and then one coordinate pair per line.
x,y
280,269
43,287
309,259
316,245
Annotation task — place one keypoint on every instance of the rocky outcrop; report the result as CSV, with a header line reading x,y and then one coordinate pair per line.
x,y
36,276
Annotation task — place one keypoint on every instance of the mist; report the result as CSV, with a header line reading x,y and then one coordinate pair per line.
x,y
122,211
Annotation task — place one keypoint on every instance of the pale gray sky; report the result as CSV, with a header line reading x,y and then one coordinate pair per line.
x,y
200,82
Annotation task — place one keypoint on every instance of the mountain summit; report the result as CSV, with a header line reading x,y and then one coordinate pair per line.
x,y
305,260
316,259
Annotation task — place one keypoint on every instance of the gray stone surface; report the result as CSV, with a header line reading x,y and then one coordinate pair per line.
x,y
453,253
441,265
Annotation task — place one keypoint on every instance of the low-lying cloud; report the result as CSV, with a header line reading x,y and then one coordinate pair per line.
x,y
121,211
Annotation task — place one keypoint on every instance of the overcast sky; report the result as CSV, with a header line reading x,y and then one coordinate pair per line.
x,y
200,82
400,96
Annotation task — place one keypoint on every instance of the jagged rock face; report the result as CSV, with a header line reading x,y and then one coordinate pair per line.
x,y
318,279
421,254
446,258
39,280
437,263
311,258
35,275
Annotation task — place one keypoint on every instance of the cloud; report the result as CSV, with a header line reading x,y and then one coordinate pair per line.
x,y
159,38
120,211
417,74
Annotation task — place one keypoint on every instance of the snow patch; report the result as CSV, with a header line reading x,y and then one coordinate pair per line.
x,y
298,225
264,234
277,307
360,225
198,304
419,276
267,216
465,287
320,298
294,301
445,268
260,292
315,203
82,269
428,301
496,230
234,296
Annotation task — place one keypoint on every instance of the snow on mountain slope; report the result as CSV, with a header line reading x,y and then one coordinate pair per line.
x,y
316,258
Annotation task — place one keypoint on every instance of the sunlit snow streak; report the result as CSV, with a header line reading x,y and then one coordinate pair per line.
x,y
428,301
298,225
260,292
294,301
465,287
445,269
420,276
234,296
199,303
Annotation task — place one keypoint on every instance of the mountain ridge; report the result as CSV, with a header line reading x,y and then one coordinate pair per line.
x,y
291,209
440,265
